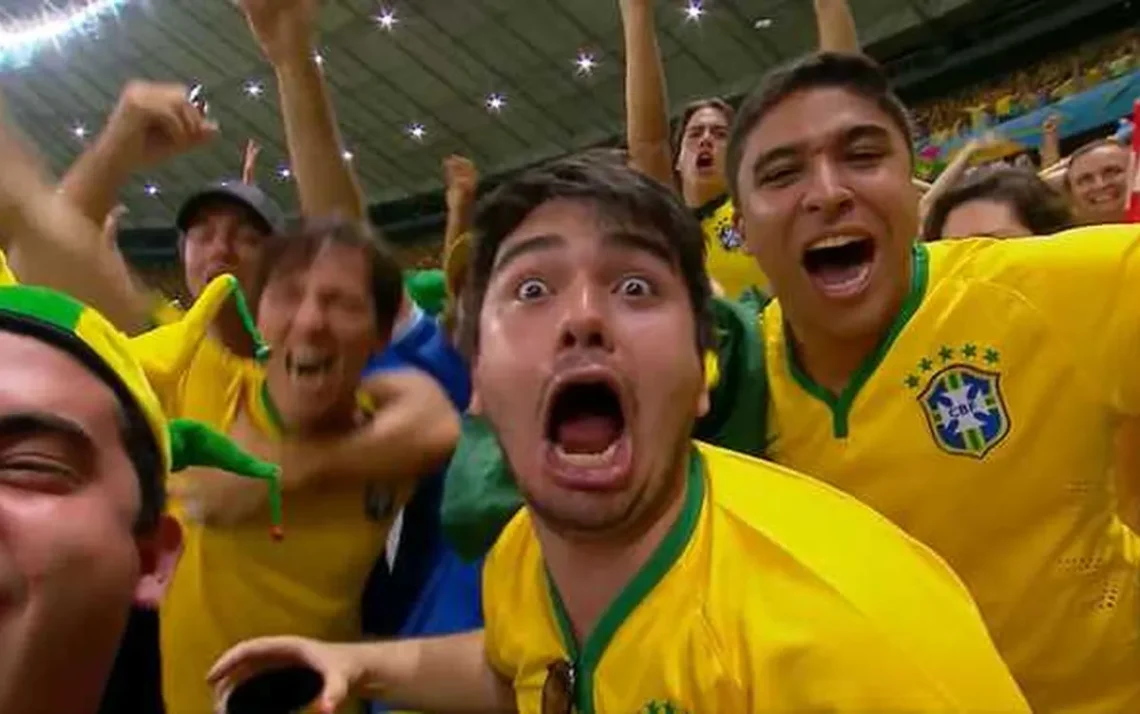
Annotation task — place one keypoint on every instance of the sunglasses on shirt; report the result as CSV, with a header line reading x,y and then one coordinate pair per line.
x,y
558,689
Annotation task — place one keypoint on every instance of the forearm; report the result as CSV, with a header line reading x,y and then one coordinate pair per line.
x,y
646,103
54,245
94,181
948,178
405,439
460,215
444,674
325,182
836,23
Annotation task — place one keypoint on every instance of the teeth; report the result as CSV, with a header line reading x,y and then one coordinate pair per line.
x,y
834,242
586,461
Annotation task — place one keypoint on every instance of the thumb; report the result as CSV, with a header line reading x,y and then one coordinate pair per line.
x,y
333,695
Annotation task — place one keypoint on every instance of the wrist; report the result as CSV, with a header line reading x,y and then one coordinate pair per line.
x,y
292,56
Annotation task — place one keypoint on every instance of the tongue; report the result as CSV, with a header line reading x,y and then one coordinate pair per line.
x,y
588,433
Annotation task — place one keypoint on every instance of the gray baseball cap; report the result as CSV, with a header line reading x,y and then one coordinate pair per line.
x,y
261,206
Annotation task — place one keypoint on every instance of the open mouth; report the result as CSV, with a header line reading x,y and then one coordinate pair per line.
x,y
308,368
705,160
840,266
585,424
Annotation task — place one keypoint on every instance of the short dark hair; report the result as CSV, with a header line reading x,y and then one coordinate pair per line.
x,y
617,191
692,108
142,449
856,73
1038,206
1086,149
300,242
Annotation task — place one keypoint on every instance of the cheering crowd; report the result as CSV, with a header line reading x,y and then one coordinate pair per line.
x,y
742,418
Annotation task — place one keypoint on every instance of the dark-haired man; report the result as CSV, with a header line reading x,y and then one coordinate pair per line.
x,y
330,298
998,370
694,161
581,272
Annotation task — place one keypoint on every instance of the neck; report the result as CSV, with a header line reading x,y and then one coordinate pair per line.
x,y
698,193
338,419
591,573
830,362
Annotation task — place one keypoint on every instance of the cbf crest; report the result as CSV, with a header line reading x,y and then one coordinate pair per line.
x,y
729,237
962,400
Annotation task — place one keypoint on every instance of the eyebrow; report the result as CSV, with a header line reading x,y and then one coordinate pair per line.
x,y
627,240
27,423
786,151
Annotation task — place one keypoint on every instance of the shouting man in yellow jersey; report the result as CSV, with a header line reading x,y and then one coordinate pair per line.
x,y
968,390
694,160
330,298
590,298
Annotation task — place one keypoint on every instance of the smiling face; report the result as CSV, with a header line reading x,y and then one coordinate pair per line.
x,y
1098,180
318,315
70,561
829,210
700,158
587,366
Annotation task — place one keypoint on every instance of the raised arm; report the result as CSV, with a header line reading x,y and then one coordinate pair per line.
x,y
444,674
646,103
325,180
151,123
461,180
836,25
51,243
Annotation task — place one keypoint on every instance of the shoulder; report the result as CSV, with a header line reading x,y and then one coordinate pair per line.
x,y
826,530
516,546
1072,255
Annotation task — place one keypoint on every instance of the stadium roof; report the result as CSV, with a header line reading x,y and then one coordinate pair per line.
x,y
507,82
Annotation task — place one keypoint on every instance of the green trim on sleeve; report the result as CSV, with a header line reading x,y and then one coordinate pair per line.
x,y
668,552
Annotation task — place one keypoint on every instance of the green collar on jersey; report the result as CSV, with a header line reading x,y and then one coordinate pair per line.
x,y
840,405
586,658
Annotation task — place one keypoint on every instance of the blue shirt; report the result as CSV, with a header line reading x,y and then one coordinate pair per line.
x,y
428,589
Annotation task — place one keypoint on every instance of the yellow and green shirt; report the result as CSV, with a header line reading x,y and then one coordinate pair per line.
x,y
983,425
727,259
771,593
234,583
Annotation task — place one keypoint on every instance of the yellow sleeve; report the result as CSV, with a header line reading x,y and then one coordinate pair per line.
x,y
1086,282
499,572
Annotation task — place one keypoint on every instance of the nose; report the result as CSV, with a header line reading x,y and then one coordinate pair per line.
x,y
826,191
584,321
309,317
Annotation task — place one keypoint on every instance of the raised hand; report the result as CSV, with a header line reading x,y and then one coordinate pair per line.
x,y
249,162
283,28
154,122
460,177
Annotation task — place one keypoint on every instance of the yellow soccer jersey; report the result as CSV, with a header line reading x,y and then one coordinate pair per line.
x,y
984,426
233,583
727,260
771,593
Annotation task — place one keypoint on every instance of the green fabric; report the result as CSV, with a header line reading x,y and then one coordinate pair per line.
x,y
50,306
193,443
479,492
480,495
428,289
